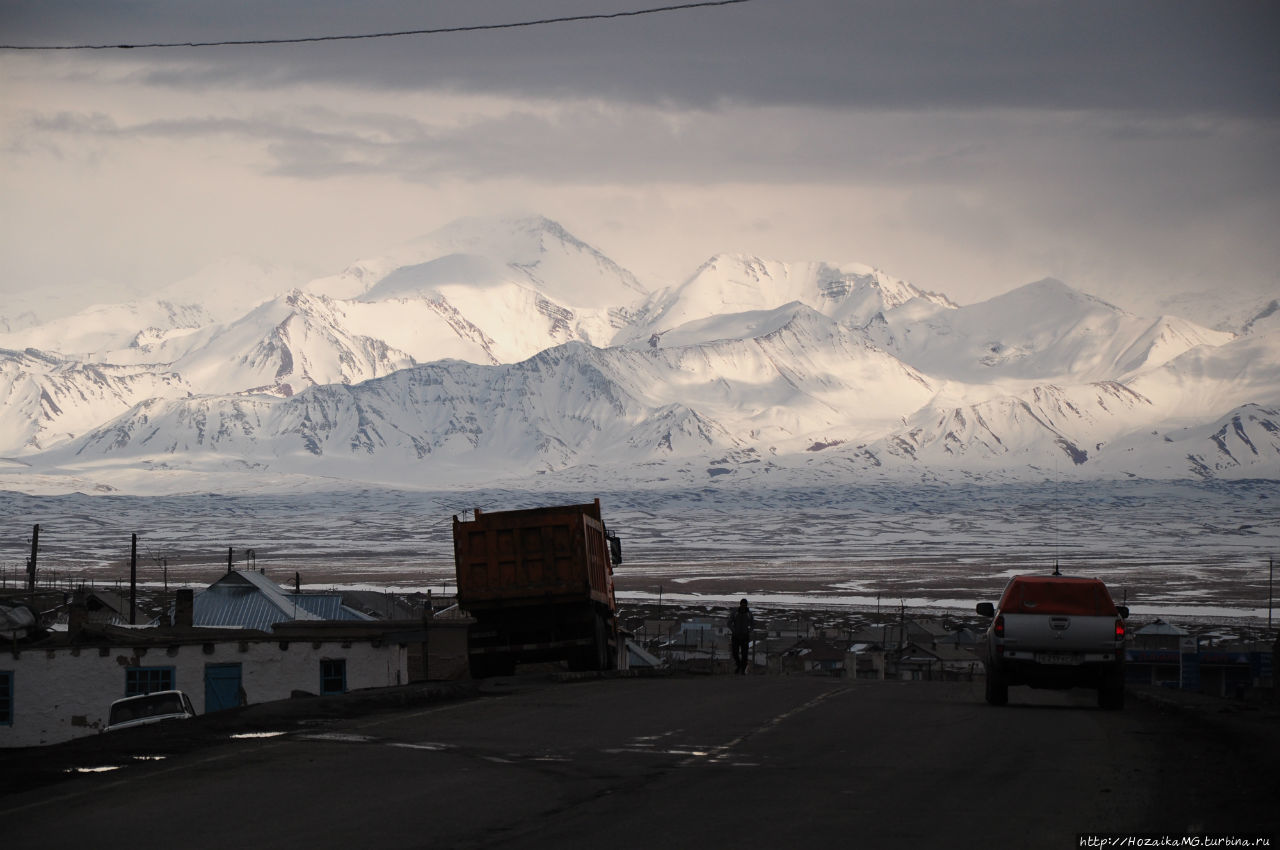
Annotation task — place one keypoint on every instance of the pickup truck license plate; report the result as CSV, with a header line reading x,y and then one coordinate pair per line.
x,y
1057,658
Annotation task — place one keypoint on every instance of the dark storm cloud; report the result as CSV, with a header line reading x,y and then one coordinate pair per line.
x,y
1155,56
1161,160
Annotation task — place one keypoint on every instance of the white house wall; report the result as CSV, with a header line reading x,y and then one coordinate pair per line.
x,y
66,692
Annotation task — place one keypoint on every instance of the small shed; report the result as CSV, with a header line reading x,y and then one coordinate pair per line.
x,y
1159,635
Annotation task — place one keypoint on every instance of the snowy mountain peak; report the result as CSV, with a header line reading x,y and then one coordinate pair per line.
x,y
424,279
544,254
1052,293
733,284
506,347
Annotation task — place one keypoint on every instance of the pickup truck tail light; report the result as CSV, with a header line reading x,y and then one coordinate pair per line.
x,y
1119,629
999,626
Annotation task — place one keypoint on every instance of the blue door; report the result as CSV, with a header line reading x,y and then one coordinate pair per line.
x,y
221,686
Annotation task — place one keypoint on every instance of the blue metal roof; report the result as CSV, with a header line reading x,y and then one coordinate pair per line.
x,y
252,601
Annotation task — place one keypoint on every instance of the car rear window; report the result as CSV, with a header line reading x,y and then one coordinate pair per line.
x,y
146,706
1083,597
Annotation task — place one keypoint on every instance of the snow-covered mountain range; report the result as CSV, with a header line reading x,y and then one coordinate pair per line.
x,y
507,349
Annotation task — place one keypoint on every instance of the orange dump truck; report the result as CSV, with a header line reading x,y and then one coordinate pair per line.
x,y
539,584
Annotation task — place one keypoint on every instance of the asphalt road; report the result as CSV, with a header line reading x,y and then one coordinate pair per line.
x,y
678,762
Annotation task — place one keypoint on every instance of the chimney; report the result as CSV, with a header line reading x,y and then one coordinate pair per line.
x,y
77,614
184,608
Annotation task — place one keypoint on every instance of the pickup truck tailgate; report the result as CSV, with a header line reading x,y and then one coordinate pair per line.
x,y
1059,633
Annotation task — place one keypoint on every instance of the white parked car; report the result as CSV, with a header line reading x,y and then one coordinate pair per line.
x,y
149,708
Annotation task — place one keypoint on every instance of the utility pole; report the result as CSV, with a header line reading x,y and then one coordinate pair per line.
x,y
428,614
31,562
230,553
133,581
1271,581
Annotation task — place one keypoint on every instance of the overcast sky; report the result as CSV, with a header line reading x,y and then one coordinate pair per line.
x,y
1128,148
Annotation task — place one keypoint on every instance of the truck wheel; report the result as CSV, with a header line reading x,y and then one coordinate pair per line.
x,y
997,688
602,644
595,655
612,646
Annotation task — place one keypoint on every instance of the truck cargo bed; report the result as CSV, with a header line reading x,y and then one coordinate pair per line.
x,y
532,557
539,583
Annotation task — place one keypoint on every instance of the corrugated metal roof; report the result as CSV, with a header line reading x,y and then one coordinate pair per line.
x,y
115,601
252,601
1160,627
327,607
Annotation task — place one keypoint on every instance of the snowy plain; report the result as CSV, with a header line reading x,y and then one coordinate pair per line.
x,y
1185,549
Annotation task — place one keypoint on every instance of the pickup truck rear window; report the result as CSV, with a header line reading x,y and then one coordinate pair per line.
x,y
1082,597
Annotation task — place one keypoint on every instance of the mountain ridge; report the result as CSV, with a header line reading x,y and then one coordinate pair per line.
x,y
508,354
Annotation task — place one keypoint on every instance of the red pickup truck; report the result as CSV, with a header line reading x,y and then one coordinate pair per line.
x,y
1055,632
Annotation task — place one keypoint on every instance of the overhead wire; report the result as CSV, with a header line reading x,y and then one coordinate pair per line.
x,y
596,16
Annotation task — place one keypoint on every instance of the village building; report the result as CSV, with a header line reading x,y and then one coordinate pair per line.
x,y
700,644
815,655
937,661
1170,656
864,660
259,643
914,650
105,606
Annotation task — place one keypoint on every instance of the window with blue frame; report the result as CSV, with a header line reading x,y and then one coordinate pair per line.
x,y
6,697
333,676
147,680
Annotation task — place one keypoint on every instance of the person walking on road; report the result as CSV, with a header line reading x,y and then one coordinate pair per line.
x,y
740,625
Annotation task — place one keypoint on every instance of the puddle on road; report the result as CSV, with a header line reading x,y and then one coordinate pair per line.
x,y
657,752
108,768
338,737
651,744
692,754
426,745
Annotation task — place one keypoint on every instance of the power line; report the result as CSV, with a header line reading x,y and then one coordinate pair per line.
x,y
437,31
